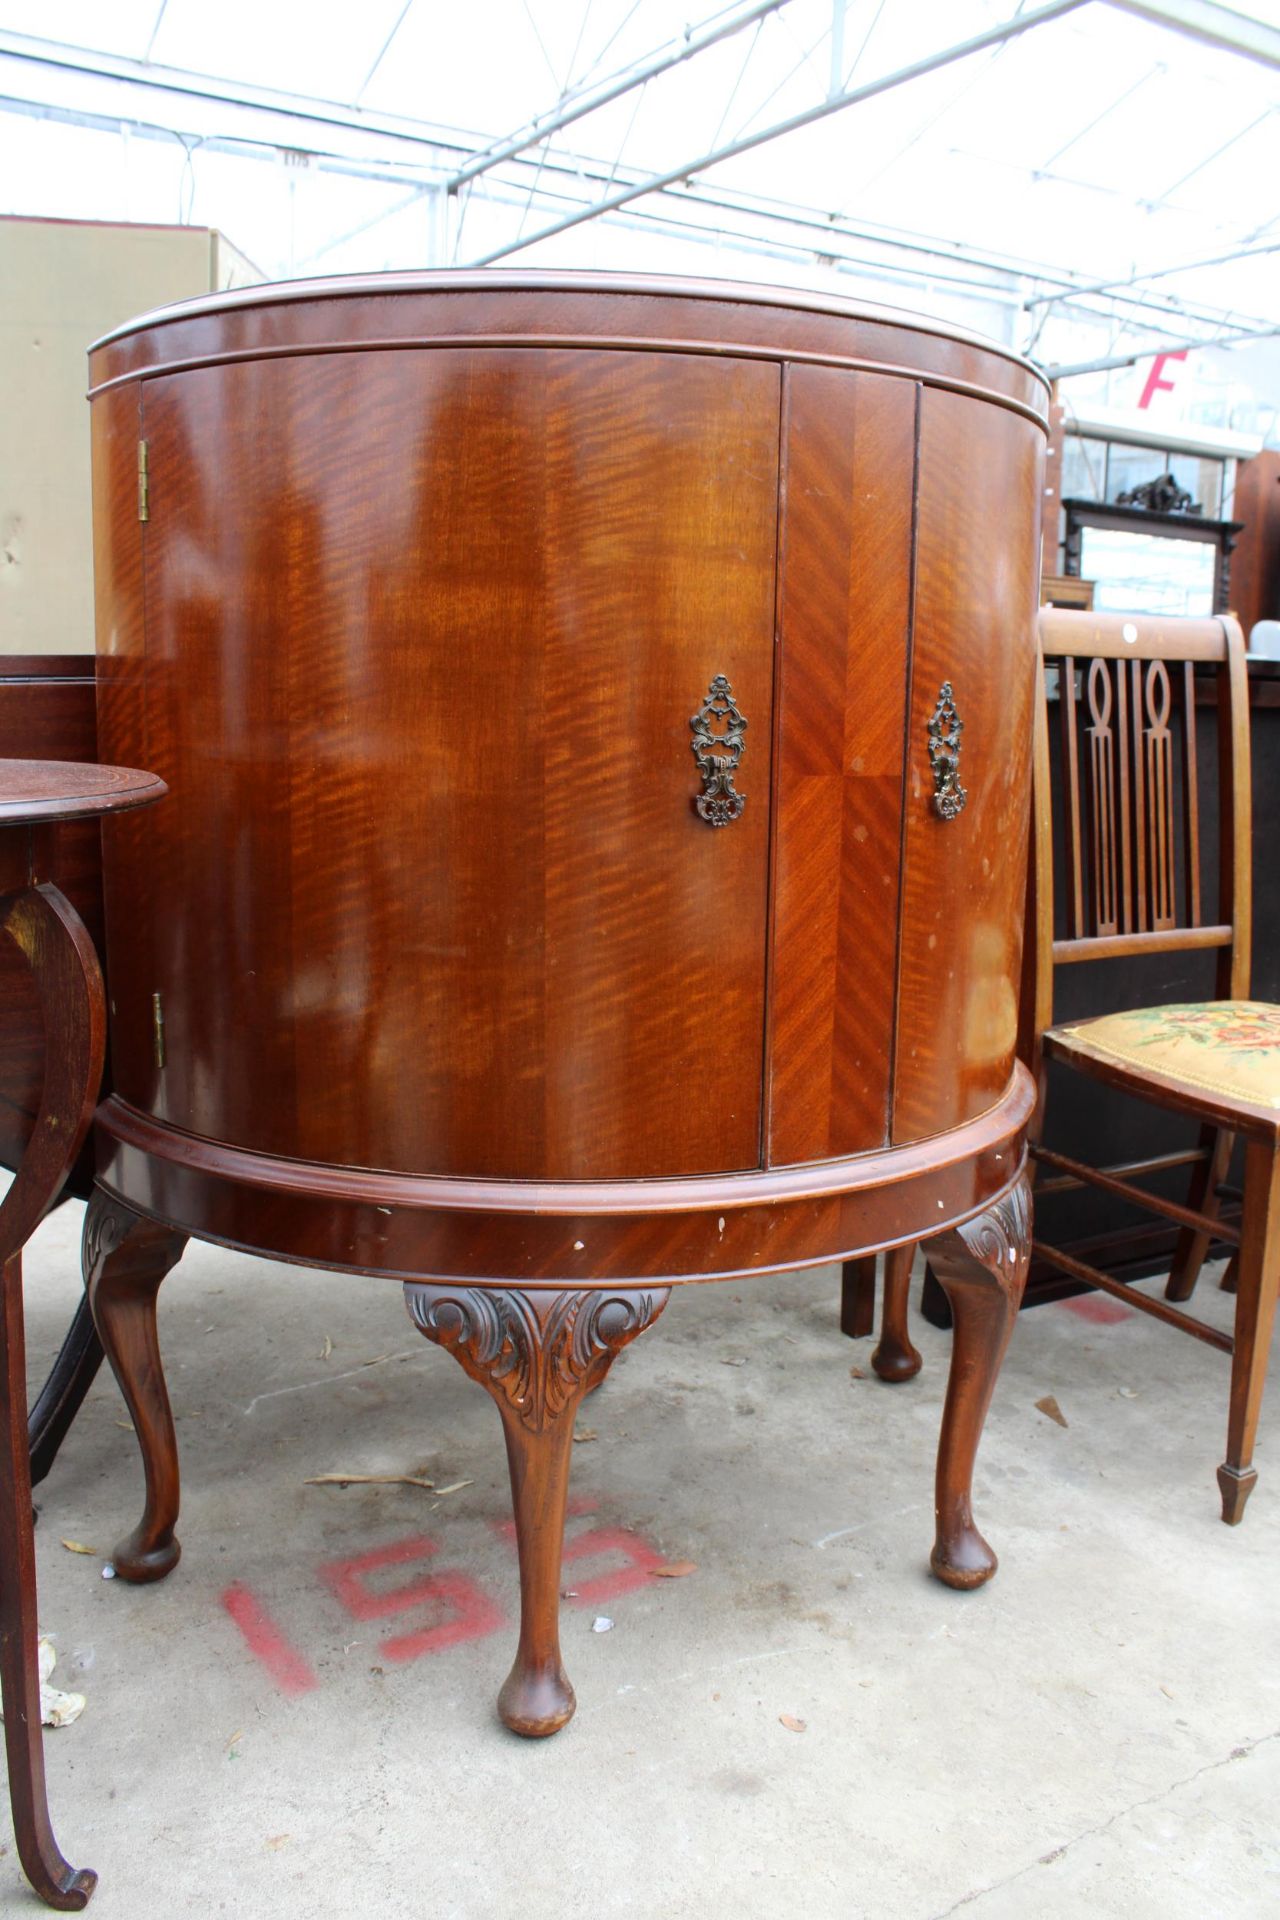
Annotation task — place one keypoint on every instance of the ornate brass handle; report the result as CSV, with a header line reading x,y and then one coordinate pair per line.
x,y
945,728
718,754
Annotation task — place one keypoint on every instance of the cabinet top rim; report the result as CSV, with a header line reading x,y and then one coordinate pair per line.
x,y
487,281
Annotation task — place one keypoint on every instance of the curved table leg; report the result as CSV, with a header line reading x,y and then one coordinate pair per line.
x,y
61,1397
68,980
895,1358
982,1267
537,1353
125,1258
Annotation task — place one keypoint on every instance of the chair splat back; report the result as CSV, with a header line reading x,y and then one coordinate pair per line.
x,y
1130,794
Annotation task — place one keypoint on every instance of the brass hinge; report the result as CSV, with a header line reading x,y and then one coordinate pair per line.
x,y
157,1029
144,483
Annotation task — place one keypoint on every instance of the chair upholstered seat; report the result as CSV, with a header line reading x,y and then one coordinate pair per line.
x,y
1214,1052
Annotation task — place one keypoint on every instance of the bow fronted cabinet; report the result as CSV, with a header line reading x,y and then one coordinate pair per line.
x,y
597,718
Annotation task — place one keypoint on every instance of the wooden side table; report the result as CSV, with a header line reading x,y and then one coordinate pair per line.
x,y
35,795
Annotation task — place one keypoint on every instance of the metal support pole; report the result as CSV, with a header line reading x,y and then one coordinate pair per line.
x,y
993,37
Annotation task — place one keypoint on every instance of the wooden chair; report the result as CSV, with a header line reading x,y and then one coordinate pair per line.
x,y
1129,814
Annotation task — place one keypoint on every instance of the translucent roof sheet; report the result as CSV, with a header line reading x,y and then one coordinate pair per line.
x,y
1098,149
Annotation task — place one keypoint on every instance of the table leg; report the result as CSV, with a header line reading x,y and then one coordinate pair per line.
x,y
125,1258
982,1267
537,1353
69,984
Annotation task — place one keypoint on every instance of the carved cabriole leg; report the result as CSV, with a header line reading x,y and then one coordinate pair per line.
x,y
537,1353
125,1258
982,1267
895,1358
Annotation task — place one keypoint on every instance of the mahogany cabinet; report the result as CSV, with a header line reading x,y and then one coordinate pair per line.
x,y
596,715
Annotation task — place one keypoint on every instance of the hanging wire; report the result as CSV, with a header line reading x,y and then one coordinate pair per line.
x,y
382,52
542,46
733,91
156,28
187,178
857,58
613,171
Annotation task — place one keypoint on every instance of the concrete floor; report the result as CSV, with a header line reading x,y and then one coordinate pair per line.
x,y
1098,1732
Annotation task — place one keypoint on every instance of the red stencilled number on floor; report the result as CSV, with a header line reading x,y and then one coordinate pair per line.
x,y
469,1613
472,1613
263,1637
639,1557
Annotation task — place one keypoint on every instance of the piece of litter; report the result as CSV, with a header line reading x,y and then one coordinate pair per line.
x,y
373,1480
1166,1691
579,1246
455,1488
734,1360
601,1624
234,1741
327,1348
856,1373
674,1570
1051,1409
568,1593
76,1546
1127,1393
108,1572
56,1709
792,1725
126,1426
583,1435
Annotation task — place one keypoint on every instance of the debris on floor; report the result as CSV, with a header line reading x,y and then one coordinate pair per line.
x,y
56,1709
1050,1407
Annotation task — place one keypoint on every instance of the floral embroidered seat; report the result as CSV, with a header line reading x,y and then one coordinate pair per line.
x,y
1210,1053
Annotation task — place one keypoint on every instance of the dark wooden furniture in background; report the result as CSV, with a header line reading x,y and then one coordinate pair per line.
x,y
37,798
1062,590
48,711
1219,534
1255,567
450,961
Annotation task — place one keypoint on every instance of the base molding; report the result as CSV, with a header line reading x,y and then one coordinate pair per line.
x,y
580,1234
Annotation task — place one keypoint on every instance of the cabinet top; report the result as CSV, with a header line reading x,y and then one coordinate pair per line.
x,y
502,307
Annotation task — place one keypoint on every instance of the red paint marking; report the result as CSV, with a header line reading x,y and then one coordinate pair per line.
x,y
474,1614
640,1556
1155,384
263,1637
1098,1307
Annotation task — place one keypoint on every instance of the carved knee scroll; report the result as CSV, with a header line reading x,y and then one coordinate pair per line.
x,y
537,1353
982,1267
125,1258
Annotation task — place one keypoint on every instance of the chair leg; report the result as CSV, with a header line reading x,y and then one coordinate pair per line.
x,y
858,1297
1202,1196
1255,1316
125,1258
537,1353
982,1267
895,1358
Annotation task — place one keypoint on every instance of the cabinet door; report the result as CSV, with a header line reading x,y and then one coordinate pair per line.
x,y
964,878
849,468
425,632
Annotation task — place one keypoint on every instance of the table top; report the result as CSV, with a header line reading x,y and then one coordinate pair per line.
x,y
36,790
